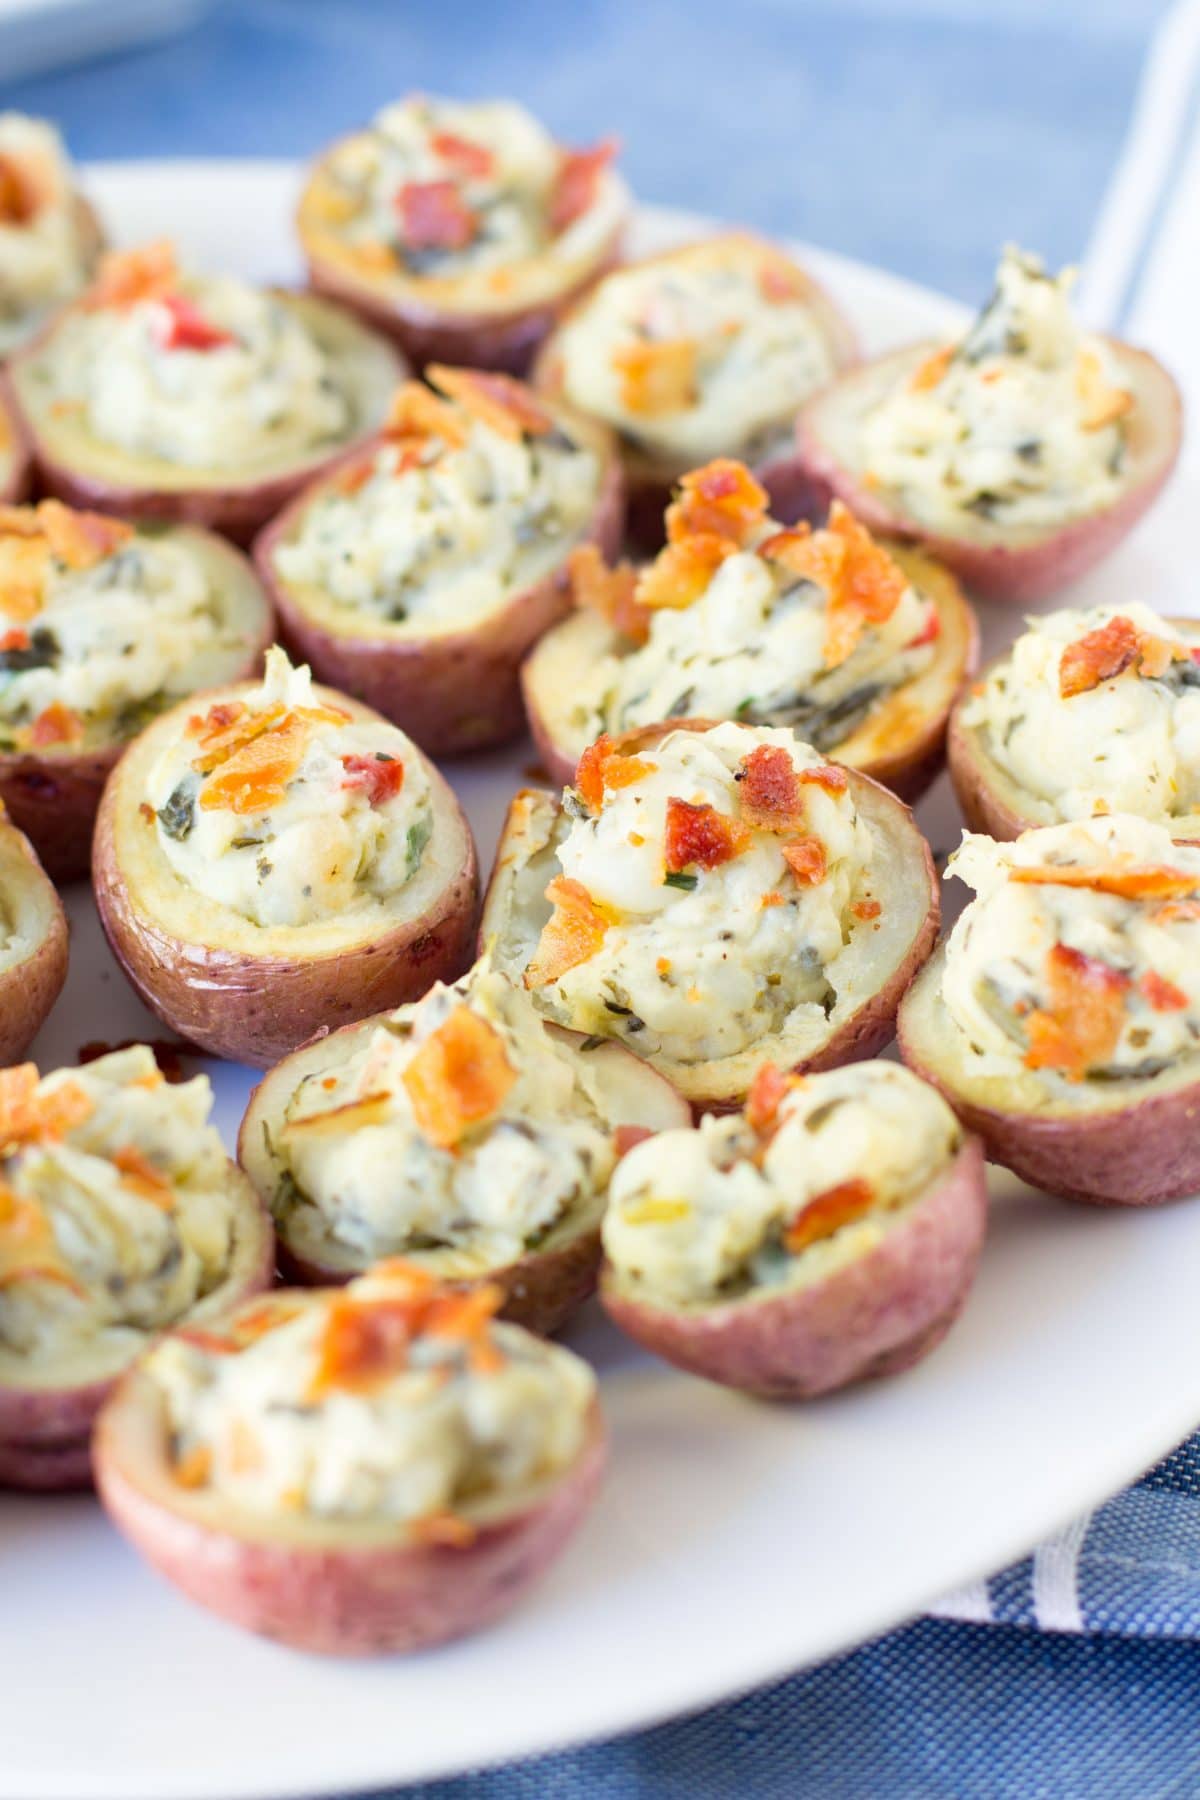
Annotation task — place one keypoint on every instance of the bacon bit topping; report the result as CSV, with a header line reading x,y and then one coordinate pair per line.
x,y
254,778
56,724
866,909
657,376
80,539
770,791
628,1137
378,776
210,727
779,282
767,1092
33,538
862,583
366,1342
139,1174
466,158
829,776
807,860
720,500
828,1212
1080,1027
505,406
1101,404
416,413
609,592
1133,881
930,631
20,198
434,216
1099,656
602,767
458,1078
572,935
194,1467
681,572
928,373
575,184
1162,994
700,836
180,325
29,1117
443,1531
126,277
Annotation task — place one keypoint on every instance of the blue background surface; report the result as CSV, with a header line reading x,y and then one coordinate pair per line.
x,y
914,133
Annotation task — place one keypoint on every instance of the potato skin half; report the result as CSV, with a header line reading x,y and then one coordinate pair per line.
x,y
877,1316
46,1433
256,1007
1043,563
452,692
981,805
29,988
345,1600
16,469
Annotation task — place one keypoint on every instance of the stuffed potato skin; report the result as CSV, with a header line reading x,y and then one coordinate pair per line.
x,y
325,1597
455,691
513,898
1034,562
15,466
83,472
255,1005
30,985
877,1316
902,745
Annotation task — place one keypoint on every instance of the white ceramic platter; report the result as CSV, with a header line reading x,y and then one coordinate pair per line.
x,y
735,1541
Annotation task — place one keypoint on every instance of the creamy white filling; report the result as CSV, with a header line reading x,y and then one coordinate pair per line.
x,y
753,647
1130,744
707,969
43,260
1003,435
117,641
383,1188
327,849
117,1264
995,974
451,538
273,391
699,1215
755,359
434,1437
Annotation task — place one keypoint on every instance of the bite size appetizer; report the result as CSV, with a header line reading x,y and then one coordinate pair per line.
x,y
1088,712
827,1233
354,1470
172,395
703,351
275,859
460,227
1019,455
33,943
120,1215
50,237
423,569
860,647
464,1133
713,897
1061,1016
14,457
103,625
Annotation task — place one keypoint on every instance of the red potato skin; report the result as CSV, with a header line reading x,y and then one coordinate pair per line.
x,y
46,1433
508,342
1019,575
982,808
452,694
351,1601
1138,1155
256,1012
878,1316
29,989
